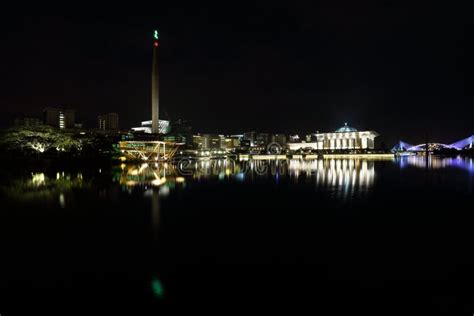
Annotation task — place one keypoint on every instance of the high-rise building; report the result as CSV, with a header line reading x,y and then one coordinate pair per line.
x,y
231,142
59,117
251,137
108,122
26,121
262,139
212,141
198,141
155,86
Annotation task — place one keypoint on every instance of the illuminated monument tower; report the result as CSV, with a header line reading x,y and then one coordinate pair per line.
x,y
155,86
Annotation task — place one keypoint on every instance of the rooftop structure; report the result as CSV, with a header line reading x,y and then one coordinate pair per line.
x,y
146,127
345,128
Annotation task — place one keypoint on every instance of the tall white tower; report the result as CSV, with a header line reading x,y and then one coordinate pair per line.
x,y
155,85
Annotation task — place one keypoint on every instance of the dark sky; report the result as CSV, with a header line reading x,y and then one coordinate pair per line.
x,y
398,69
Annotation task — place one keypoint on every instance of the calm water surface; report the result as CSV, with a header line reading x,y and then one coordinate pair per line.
x,y
328,235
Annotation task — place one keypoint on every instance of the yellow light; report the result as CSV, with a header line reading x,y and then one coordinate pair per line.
x,y
180,179
122,158
38,179
158,182
361,156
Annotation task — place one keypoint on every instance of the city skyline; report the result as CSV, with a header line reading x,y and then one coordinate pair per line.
x,y
313,156
264,69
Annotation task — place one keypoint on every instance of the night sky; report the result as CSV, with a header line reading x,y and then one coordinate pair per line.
x,y
398,69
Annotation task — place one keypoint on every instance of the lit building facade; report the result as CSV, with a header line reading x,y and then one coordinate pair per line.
x,y
262,139
107,122
344,138
59,117
231,143
251,137
279,139
212,141
163,127
216,141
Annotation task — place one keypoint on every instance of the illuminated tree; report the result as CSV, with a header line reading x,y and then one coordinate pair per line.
x,y
41,140
38,139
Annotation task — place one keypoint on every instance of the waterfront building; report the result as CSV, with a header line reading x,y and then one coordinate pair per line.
x,y
147,127
212,141
310,138
344,138
244,144
59,117
262,140
197,141
217,141
294,138
208,141
279,139
251,137
176,138
107,122
231,142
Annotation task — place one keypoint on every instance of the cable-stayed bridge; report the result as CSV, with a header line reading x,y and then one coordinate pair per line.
x,y
465,143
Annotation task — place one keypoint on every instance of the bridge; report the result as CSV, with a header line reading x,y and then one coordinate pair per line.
x,y
466,143
148,150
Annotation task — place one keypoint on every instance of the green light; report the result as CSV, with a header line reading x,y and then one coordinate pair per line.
x,y
157,288
156,35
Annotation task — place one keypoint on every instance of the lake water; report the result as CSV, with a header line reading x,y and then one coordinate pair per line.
x,y
389,237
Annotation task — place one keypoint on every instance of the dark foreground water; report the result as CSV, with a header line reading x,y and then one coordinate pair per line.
x,y
331,237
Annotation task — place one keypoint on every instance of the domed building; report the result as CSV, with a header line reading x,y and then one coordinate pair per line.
x,y
343,138
345,128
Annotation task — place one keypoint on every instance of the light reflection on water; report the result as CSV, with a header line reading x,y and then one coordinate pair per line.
x,y
435,162
39,185
338,176
342,178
